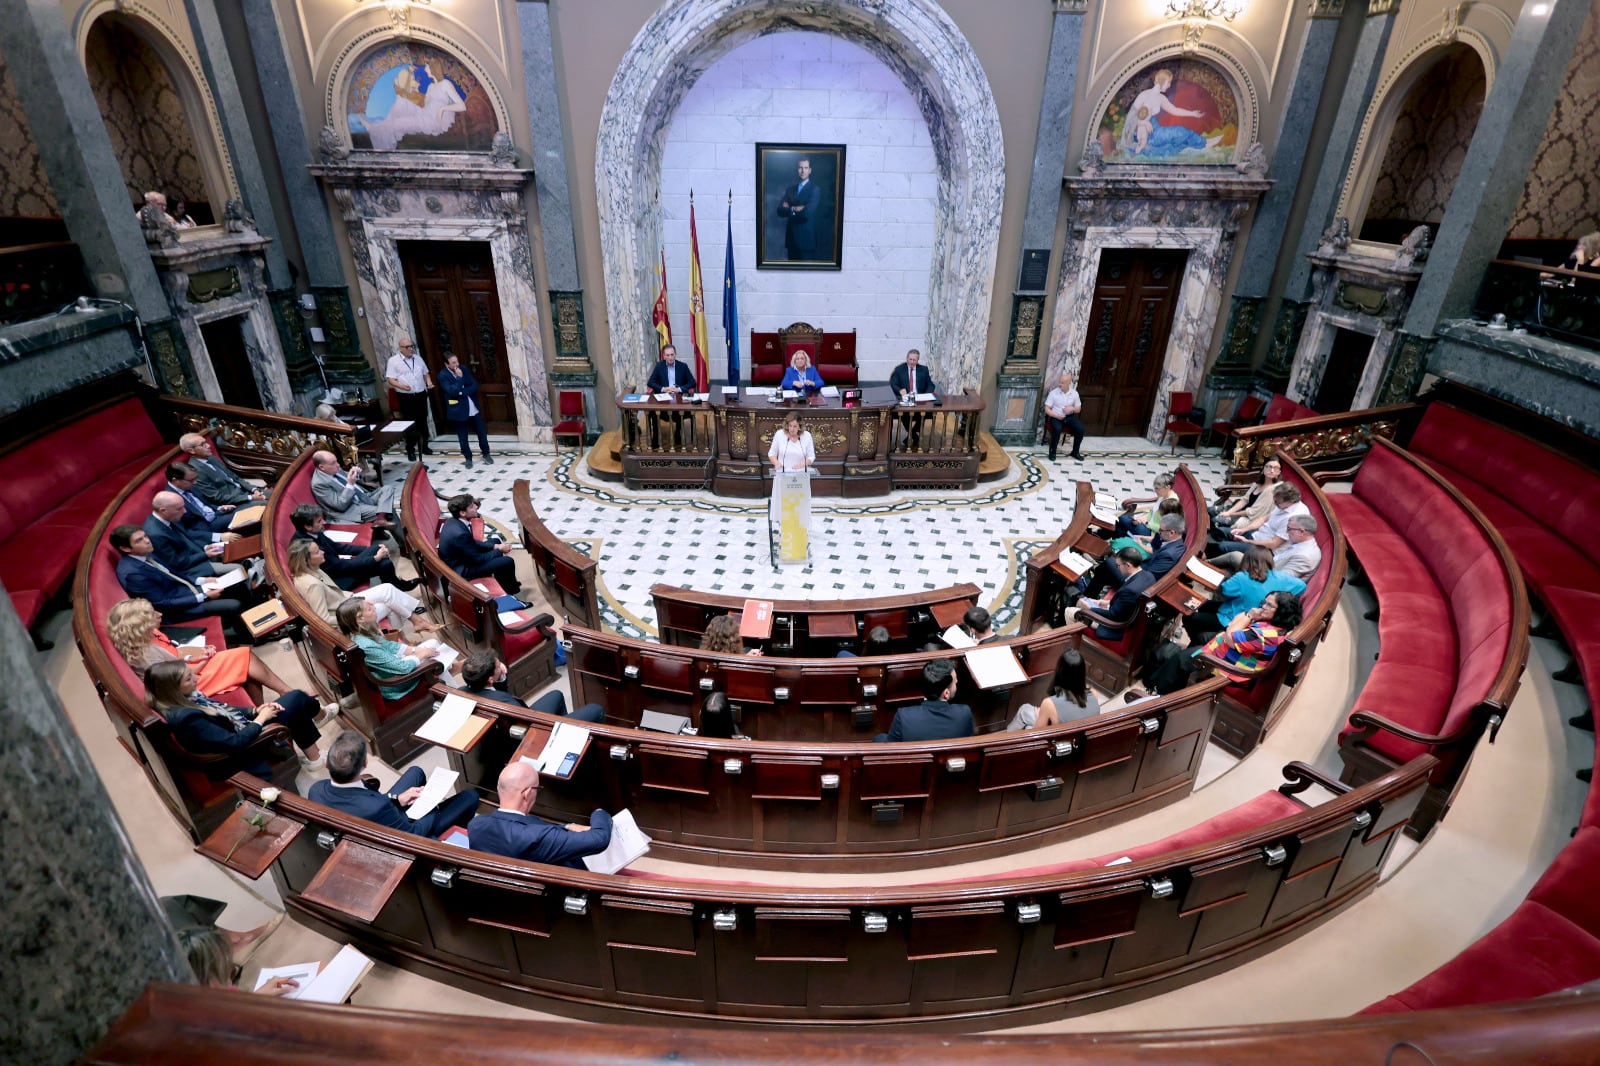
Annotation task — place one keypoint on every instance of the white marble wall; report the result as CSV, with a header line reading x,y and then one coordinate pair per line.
x,y
815,89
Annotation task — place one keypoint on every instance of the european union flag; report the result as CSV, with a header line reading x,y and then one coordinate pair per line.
x,y
730,305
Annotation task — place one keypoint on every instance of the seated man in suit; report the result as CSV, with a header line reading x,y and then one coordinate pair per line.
x,y
218,484
178,547
339,494
483,675
906,381
177,597
513,832
350,565
1120,606
181,479
978,624
675,379
469,556
935,718
1166,548
346,791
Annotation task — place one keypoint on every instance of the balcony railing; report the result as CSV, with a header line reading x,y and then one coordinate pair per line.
x,y
1564,304
36,279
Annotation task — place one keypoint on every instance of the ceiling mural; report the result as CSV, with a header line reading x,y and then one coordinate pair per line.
x,y
1176,111
409,96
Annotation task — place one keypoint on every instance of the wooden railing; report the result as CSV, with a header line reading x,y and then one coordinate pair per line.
x,y
261,442
570,579
1045,579
1323,441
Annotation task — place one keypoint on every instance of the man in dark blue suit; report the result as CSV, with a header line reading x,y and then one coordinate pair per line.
x,y
349,565
471,557
513,832
1166,548
935,718
799,204
181,479
910,377
175,596
1121,606
345,791
670,375
482,675
181,548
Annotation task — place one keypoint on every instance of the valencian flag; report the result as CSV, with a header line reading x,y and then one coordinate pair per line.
x,y
658,315
697,303
730,303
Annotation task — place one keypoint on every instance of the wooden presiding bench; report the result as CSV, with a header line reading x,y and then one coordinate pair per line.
x,y
817,627
863,806
569,579
1015,946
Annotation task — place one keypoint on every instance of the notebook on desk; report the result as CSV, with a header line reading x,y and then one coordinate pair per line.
x,y
661,722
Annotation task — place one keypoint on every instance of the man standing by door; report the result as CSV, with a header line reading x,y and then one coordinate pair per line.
x,y
408,376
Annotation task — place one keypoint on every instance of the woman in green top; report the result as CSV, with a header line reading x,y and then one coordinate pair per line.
x,y
358,620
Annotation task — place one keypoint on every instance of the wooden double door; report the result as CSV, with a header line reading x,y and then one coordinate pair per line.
x,y
456,306
1135,295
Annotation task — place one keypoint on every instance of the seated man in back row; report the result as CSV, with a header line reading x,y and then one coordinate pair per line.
x,y
344,499
935,718
217,483
513,832
349,565
179,597
346,791
471,557
482,675
1121,606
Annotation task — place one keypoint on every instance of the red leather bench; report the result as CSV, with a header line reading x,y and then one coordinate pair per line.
x,y
1452,626
56,487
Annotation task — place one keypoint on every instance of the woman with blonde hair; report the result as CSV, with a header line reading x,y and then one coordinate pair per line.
x,y
1585,255
207,727
324,596
134,626
801,375
358,619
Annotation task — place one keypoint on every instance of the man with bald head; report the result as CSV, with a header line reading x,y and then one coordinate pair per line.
x,y
513,832
407,374
216,483
185,548
336,489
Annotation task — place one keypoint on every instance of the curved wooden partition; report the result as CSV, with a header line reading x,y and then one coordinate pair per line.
x,y
817,628
864,806
568,578
1007,950
1046,579
216,1025
1321,441
1249,709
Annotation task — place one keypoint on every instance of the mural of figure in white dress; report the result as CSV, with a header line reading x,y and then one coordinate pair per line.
x,y
1179,111
417,98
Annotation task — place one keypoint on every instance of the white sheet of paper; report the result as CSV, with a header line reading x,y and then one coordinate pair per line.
x,y
1104,514
440,785
926,397
730,390
565,737
664,397
340,536
397,426
228,580
995,667
1110,503
511,618
337,979
1078,563
789,394
197,642
1119,862
301,972
628,842
1206,572
447,655
957,637
701,397
830,391
447,720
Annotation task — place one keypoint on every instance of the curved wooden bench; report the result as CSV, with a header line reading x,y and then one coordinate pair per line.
x,y
569,579
1453,631
912,619
1046,579
864,806
1006,947
1247,711
525,646
387,724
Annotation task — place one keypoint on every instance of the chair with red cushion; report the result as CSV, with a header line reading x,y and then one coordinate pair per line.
x,y
574,418
1180,421
1248,413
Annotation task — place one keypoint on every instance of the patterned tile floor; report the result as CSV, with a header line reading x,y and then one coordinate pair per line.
x,y
905,542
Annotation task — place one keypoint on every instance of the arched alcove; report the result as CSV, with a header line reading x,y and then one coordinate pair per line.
x,y
929,55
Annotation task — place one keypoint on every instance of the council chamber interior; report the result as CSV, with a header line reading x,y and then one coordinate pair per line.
x,y
959,294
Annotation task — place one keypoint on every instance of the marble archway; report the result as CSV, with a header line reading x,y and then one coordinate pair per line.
x,y
919,42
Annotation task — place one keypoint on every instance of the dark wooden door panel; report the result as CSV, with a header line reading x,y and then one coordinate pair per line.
x,y
1136,293
456,304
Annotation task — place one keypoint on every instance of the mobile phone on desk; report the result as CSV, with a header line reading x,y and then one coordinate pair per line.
x,y
569,762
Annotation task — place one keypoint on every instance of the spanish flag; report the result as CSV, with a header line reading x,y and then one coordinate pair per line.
x,y
659,314
697,305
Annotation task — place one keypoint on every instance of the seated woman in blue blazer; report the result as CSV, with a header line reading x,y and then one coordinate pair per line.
x,y
801,375
207,727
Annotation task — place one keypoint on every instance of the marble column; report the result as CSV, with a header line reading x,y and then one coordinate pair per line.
x,y
1019,382
571,369
1258,262
82,927
1361,83
312,222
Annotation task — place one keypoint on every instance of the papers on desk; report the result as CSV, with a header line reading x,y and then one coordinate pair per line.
x,y
700,397
830,391
634,397
1206,572
339,536
248,516
757,390
228,580
441,783
663,397
995,667
790,394
926,397
511,618
957,637
332,983
453,712
1077,562
562,751
730,390
397,426
628,842
1107,502
1104,515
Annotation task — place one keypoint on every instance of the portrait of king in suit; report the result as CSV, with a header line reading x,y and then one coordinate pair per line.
x,y
800,188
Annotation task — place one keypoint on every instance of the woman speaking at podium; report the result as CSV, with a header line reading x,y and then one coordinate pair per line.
x,y
801,376
792,451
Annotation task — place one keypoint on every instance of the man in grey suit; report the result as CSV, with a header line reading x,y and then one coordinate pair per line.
x,y
344,500
217,484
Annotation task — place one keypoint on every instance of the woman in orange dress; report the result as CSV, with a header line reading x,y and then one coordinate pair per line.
x,y
134,627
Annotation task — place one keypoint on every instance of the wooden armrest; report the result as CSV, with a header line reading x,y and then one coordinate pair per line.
x,y
1298,777
430,669
538,621
1247,672
1325,476
1132,502
1370,722
1089,614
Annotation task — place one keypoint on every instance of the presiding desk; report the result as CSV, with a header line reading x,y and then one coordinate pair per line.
x,y
867,449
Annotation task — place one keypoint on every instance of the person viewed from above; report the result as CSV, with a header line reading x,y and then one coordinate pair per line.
x,y
1119,607
801,375
218,484
200,515
207,727
1241,591
716,719
211,960
358,620
470,557
1272,534
1252,636
460,390
1061,409
935,718
182,546
515,833
346,791
878,642
484,675
1301,555
978,624
1158,556
342,497
1137,522
1070,697
179,597
722,636
349,565
324,596
134,628
1249,509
